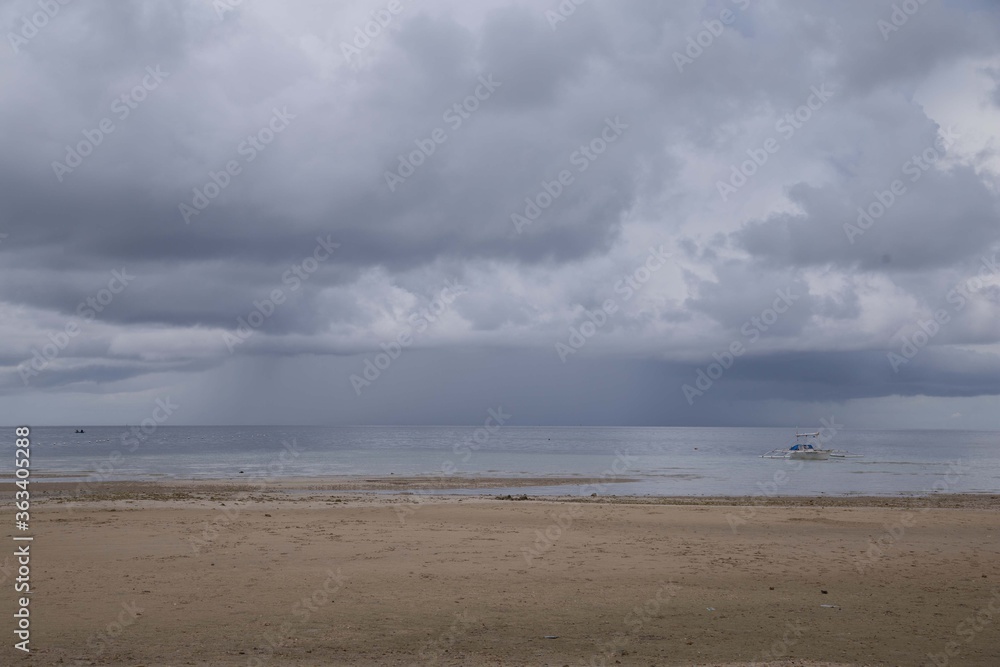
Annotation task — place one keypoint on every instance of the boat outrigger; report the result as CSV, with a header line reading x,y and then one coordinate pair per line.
x,y
804,450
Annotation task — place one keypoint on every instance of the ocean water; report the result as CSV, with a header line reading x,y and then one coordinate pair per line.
x,y
661,461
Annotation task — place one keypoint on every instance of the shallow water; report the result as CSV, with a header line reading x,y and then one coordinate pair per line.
x,y
662,461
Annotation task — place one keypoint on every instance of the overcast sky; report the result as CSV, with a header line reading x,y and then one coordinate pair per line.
x,y
734,212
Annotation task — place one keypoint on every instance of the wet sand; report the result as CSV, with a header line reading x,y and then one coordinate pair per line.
x,y
222,574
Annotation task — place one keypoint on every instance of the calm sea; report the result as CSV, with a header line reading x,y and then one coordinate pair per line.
x,y
662,461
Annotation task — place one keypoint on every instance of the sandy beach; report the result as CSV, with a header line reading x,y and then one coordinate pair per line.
x,y
219,574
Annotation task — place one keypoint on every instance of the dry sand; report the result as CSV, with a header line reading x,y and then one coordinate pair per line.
x,y
145,574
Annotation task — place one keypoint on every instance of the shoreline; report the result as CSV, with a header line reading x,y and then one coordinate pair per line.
x,y
396,488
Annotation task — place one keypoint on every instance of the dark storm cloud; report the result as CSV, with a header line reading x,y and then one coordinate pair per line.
x,y
933,221
840,376
534,162
122,202
742,292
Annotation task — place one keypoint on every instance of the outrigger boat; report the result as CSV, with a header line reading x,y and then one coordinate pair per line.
x,y
802,450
